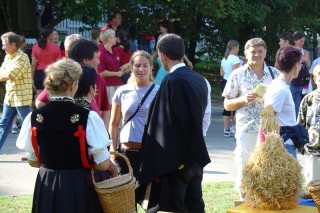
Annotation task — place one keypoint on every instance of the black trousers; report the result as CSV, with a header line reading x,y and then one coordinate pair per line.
x,y
179,191
134,158
222,86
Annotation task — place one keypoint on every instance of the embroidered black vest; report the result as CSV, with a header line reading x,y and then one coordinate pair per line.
x,y
57,128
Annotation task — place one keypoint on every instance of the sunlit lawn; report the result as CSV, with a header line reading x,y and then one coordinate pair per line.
x,y
218,197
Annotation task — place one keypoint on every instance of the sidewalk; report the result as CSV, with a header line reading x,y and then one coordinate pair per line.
x,y
18,178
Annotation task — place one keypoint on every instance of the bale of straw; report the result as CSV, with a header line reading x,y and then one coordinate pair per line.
x,y
271,178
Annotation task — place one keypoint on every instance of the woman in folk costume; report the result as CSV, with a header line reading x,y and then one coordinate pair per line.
x,y
65,140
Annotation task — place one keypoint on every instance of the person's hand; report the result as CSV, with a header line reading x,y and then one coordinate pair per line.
x,y
250,97
114,169
190,64
128,69
119,74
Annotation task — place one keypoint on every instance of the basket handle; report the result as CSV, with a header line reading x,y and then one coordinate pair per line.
x,y
126,159
119,155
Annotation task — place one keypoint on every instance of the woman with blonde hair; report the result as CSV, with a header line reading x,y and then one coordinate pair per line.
x,y
229,63
109,66
129,109
65,141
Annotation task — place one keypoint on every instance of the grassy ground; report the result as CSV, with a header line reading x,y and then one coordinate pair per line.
x,y
218,197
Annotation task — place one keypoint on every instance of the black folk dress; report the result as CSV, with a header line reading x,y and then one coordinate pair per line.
x,y
64,182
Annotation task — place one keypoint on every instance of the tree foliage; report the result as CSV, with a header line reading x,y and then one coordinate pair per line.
x,y
212,21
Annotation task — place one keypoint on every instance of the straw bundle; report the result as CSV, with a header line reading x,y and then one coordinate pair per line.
x,y
271,178
269,121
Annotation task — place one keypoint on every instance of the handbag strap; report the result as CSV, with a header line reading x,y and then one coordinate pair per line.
x,y
140,104
271,73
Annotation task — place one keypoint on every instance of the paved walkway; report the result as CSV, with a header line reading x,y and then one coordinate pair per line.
x,y
18,178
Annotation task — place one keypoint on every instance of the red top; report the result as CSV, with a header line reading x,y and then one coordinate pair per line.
x,y
101,47
46,56
101,97
44,97
111,62
148,37
106,27
124,56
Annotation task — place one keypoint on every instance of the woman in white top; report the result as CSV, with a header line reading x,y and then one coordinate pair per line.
x,y
125,103
278,93
229,63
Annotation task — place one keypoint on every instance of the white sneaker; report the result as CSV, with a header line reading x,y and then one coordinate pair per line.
x,y
227,133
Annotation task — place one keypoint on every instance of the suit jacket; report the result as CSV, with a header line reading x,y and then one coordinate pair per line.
x,y
173,132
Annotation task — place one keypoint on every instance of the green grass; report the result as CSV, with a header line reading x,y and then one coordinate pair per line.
x,y
207,64
16,203
218,197
216,95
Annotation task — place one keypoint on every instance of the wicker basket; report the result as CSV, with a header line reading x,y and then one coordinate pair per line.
x,y
116,194
314,188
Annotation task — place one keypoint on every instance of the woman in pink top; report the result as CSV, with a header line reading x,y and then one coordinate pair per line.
x,y
43,54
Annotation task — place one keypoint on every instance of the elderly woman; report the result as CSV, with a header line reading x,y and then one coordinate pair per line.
x,y
279,96
109,66
65,140
127,108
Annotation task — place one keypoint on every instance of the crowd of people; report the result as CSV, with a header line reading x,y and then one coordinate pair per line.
x,y
81,84
286,84
94,97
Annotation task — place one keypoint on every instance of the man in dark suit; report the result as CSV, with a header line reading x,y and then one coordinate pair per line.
x,y
173,147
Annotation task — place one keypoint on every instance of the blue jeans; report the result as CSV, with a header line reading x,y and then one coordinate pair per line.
x,y
291,150
133,45
147,46
296,92
8,115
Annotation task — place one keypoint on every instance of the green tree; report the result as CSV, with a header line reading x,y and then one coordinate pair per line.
x,y
212,21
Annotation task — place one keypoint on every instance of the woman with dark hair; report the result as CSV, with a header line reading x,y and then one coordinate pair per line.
x,y
123,49
165,27
43,54
278,93
55,40
123,46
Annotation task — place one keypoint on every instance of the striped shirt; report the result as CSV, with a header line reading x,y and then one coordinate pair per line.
x,y
19,86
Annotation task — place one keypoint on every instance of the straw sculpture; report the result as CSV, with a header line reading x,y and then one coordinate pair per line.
x,y
269,121
271,178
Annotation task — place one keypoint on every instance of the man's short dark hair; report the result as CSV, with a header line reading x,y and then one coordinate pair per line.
x,y
86,80
172,46
82,49
287,37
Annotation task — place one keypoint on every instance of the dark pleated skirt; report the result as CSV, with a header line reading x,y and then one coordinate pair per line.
x,y
65,191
